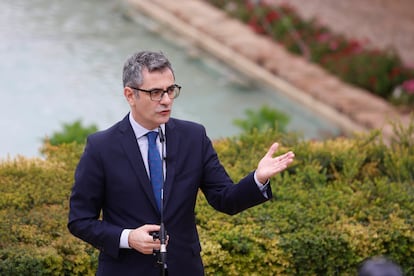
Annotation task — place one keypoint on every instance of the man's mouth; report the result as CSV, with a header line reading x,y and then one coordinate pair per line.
x,y
164,112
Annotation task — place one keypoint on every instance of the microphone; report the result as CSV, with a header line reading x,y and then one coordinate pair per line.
x,y
162,140
162,137
163,234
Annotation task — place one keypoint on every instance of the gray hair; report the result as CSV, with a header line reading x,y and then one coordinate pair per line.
x,y
152,61
379,266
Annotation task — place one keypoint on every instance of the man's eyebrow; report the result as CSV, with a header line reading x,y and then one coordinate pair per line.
x,y
157,88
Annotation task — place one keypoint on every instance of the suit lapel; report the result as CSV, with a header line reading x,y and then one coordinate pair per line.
x,y
172,140
130,146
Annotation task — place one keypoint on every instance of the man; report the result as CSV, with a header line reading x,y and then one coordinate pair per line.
x,y
379,266
114,175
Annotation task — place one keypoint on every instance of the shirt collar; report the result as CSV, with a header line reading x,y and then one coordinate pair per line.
x,y
140,130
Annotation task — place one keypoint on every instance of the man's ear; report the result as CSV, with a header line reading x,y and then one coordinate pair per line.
x,y
129,95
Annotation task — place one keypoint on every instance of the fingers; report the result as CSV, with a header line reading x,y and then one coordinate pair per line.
x,y
285,160
281,158
150,228
269,166
141,240
273,148
286,157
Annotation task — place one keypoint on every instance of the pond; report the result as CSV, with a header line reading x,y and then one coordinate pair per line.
x,y
61,62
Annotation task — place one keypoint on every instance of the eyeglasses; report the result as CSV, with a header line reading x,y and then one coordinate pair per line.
x,y
156,94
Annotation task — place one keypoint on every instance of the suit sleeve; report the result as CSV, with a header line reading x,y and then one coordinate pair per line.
x,y
86,202
221,192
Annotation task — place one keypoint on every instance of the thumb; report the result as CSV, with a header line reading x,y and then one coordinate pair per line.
x,y
272,150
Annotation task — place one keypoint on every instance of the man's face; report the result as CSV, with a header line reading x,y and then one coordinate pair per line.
x,y
148,113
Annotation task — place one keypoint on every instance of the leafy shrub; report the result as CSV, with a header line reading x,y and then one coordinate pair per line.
x,y
265,118
71,132
341,201
33,214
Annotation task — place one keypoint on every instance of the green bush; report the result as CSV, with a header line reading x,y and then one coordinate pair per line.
x,y
341,201
264,118
33,214
71,132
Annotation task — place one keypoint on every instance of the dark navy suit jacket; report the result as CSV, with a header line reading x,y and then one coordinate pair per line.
x,y
111,178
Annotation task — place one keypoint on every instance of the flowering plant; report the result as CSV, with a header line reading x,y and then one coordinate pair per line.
x,y
353,61
404,94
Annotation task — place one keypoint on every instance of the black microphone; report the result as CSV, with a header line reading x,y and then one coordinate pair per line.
x,y
162,137
163,234
162,140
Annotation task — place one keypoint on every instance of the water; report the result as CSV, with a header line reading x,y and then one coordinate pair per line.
x,y
62,61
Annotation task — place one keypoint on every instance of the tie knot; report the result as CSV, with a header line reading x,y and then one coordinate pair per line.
x,y
152,136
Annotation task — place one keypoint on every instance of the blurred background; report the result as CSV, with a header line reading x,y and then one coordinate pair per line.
x,y
62,62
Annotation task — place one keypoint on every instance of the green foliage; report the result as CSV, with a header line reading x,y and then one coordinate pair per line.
x,y
341,201
265,118
384,73
71,132
33,216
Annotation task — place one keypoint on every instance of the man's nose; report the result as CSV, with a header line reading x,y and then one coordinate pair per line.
x,y
165,99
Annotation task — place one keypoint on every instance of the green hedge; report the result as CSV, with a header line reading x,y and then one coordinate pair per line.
x,y
340,202
33,214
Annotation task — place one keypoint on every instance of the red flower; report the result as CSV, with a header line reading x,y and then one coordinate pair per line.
x,y
355,46
256,26
395,72
272,16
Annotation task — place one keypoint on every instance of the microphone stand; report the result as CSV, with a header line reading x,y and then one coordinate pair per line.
x,y
163,234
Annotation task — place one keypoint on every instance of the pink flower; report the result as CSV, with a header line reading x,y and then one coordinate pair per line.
x,y
408,86
333,45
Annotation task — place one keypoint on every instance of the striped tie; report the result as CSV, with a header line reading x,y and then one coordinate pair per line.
x,y
155,166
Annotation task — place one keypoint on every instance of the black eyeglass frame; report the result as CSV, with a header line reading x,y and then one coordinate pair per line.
x,y
171,91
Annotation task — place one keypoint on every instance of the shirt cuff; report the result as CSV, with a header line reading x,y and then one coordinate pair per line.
x,y
123,240
262,187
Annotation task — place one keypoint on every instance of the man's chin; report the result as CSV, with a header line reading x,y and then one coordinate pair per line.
x,y
165,119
